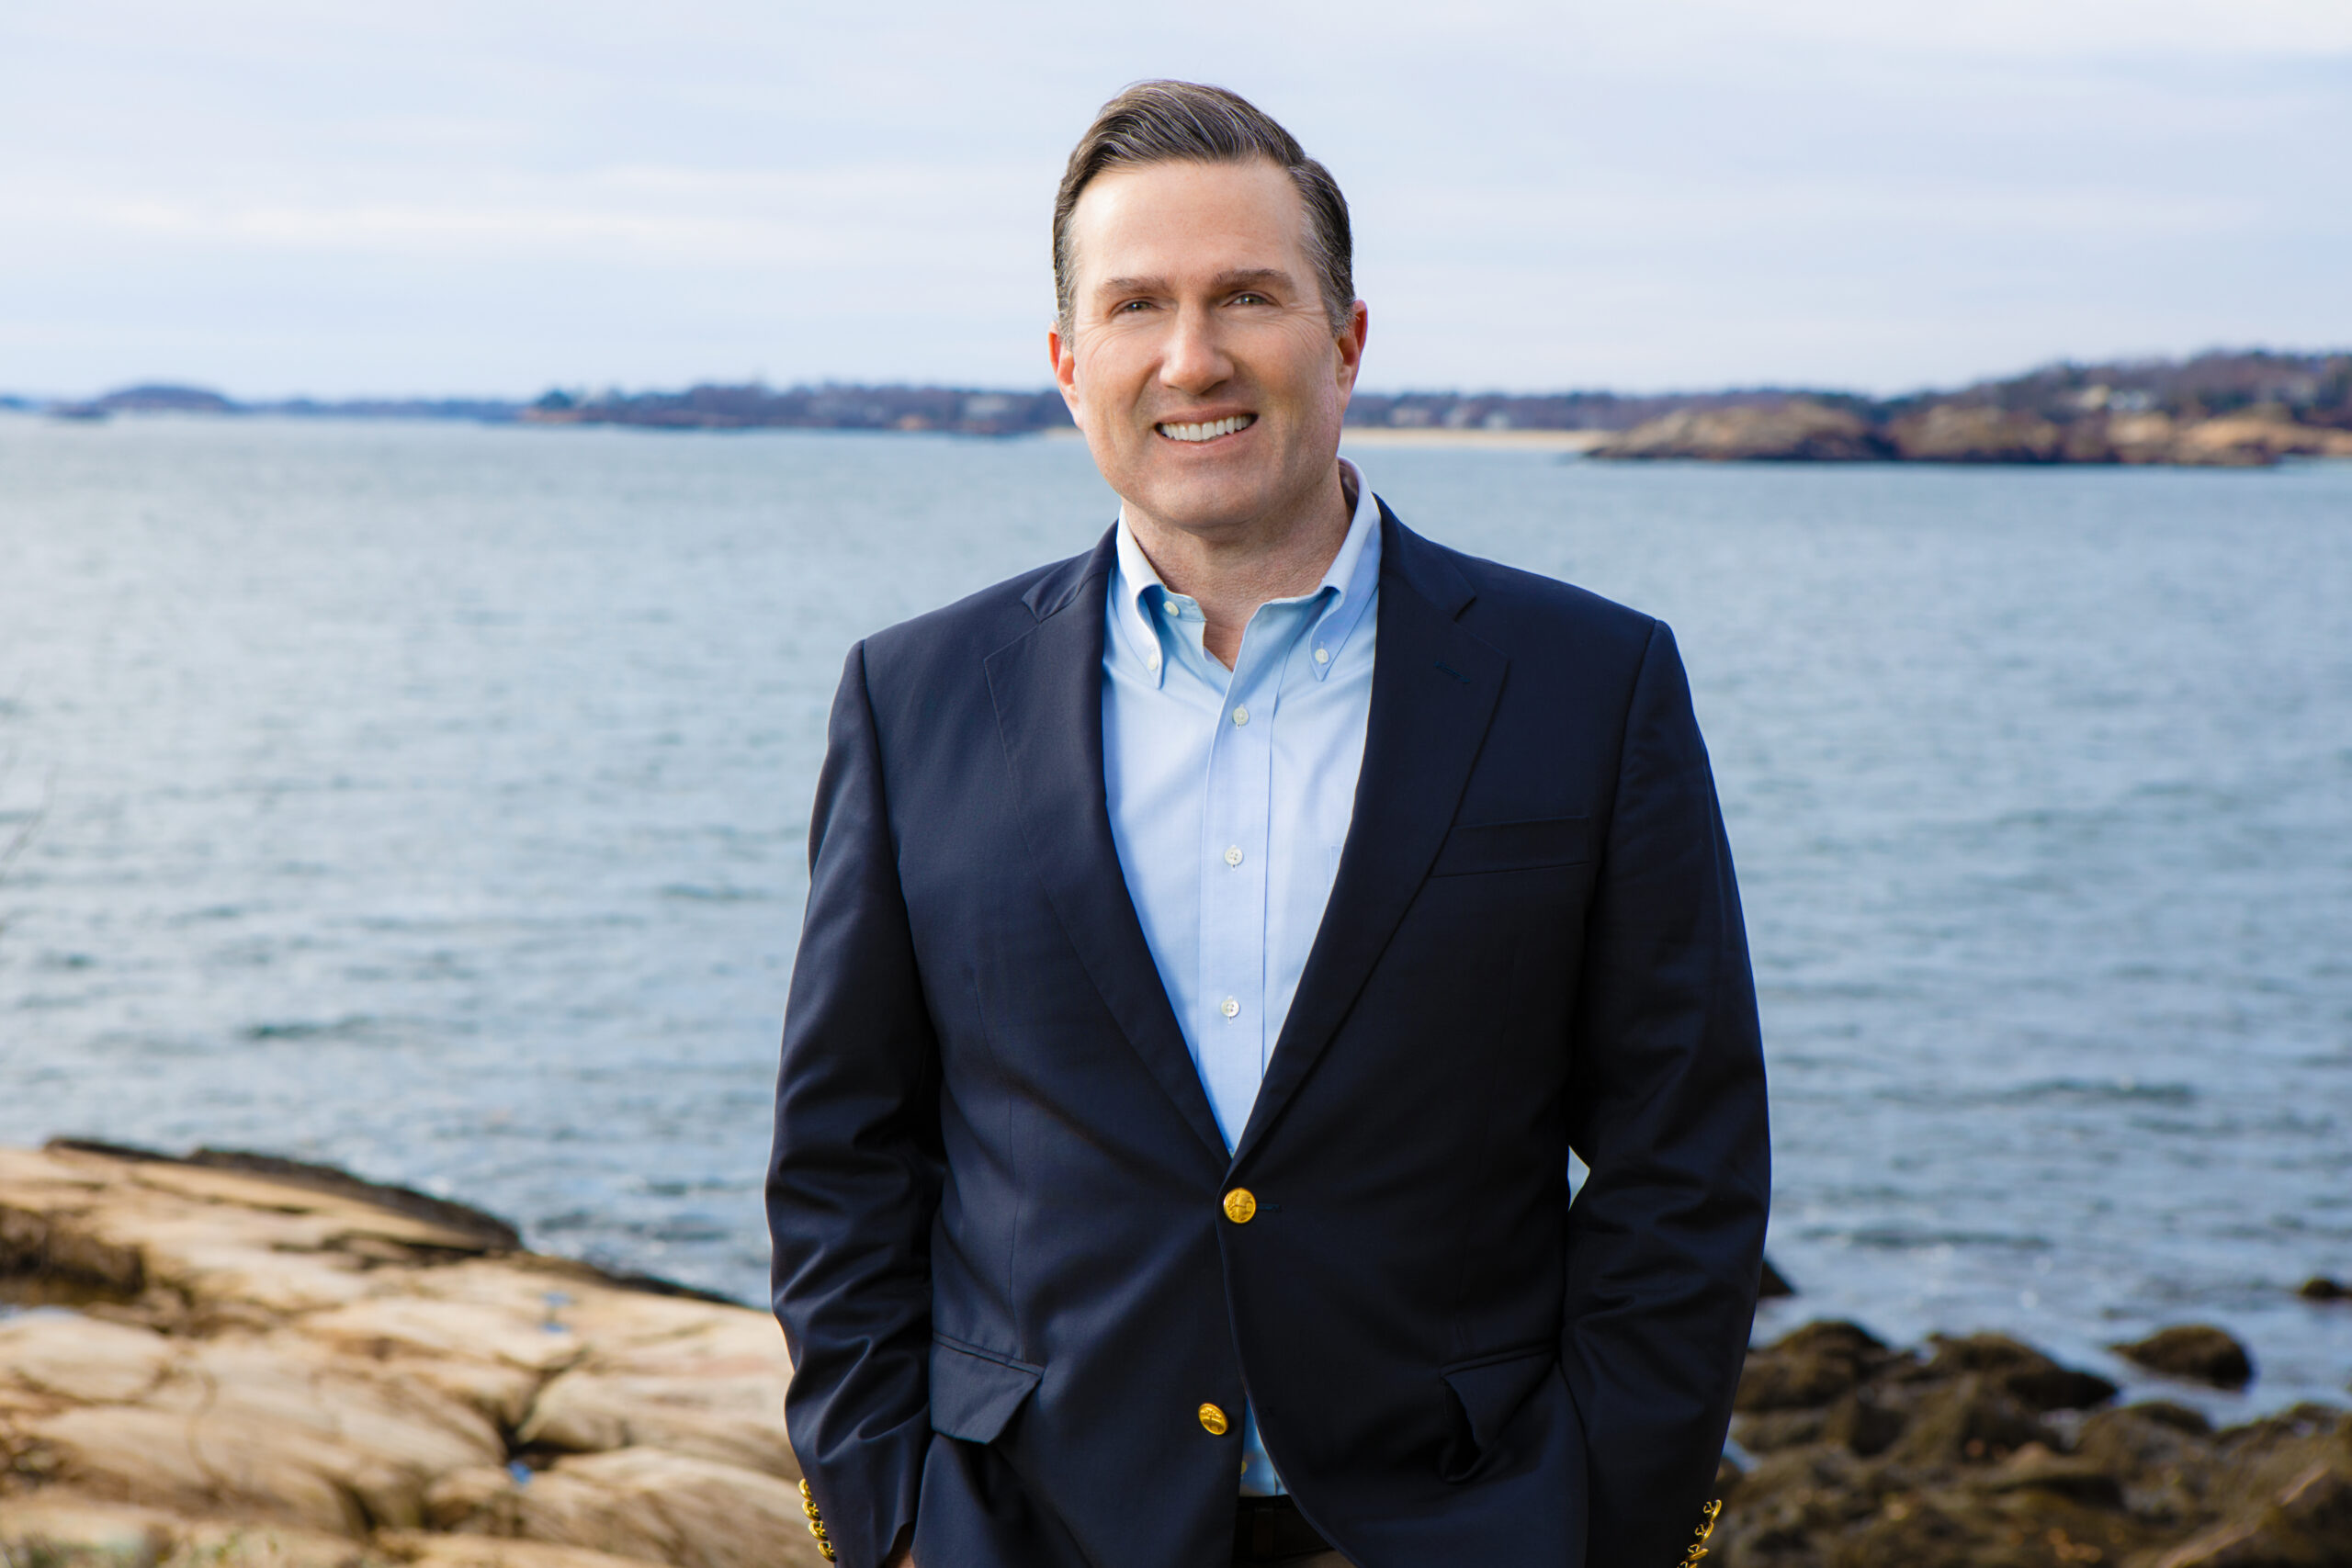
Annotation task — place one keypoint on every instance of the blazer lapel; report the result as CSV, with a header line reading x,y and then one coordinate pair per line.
x,y
1433,692
1047,688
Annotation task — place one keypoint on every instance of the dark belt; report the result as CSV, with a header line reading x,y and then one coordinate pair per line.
x,y
1269,1530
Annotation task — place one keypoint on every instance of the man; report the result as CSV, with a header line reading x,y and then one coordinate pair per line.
x,y
1216,943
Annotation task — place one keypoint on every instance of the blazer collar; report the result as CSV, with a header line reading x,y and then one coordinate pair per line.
x,y
1435,687
1060,583
1047,688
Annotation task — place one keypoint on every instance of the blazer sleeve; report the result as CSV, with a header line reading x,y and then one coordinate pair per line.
x,y
1666,1239
853,1178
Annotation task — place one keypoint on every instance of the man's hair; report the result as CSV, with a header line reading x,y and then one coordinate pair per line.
x,y
1187,122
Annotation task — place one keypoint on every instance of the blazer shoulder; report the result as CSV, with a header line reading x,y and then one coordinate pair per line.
x,y
978,624
1516,608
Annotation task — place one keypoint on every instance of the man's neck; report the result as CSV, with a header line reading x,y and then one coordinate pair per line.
x,y
1229,578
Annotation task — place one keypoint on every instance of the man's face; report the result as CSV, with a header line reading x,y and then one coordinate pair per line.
x,y
1201,365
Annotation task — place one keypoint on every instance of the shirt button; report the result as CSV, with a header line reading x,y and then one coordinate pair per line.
x,y
1230,1007
1213,1421
1322,656
1232,855
1240,716
1151,662
1172,607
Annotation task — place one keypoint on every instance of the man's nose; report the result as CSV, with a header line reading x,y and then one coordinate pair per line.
x,y
1195,360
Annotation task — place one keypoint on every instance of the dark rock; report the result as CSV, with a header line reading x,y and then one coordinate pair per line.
x,y
2180,1417
2197,1351
1971,1420
2314,1510
1809,1367
2306,1523
2319,1288
1943,1461
2038,1469
2030,1377
1917,1533
2234,1544
1771,1430
1863,1424
1774,1285
2160,1454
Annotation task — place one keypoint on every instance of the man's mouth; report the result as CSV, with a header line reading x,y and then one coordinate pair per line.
x,y
1208,432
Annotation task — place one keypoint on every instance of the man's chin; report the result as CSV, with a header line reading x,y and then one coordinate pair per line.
x,y
1212,500
1206,511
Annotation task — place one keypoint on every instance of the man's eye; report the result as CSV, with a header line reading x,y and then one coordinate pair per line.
x,y
1132,306
1251,297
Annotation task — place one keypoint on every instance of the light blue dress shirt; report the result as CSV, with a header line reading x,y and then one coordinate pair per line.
x,y
1231,792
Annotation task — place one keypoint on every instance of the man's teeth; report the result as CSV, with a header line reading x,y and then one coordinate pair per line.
x,y
1209,432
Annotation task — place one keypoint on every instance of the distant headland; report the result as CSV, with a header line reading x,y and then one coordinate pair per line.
x,y
2221,409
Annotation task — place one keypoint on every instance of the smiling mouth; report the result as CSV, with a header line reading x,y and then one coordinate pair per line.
x,y
1208,432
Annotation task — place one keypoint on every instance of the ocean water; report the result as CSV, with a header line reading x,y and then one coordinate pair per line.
x,y
431,800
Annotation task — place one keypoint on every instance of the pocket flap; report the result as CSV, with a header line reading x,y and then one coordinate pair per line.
x,y
973,1392
1491,1390
1474,847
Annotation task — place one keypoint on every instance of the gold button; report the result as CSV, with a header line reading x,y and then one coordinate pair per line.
x,y
1213,1421
1240,1204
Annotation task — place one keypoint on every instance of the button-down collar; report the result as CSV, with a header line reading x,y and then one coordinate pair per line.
x,y
1157,625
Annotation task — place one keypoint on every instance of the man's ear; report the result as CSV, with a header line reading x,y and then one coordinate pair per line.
x,y
1350,343
1065,372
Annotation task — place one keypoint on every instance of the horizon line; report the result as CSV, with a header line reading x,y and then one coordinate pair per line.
x,y
585,391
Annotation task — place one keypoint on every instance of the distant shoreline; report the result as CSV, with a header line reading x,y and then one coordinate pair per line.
x,y
2217,409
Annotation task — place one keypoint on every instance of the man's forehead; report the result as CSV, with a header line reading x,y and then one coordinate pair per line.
x,y
1158,220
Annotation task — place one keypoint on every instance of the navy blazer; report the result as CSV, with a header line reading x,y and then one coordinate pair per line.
x,y
1002,1259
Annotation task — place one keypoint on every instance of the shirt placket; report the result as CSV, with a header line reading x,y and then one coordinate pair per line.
x,y
1235,831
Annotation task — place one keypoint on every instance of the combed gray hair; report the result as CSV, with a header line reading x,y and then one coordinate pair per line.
x,y
1187,122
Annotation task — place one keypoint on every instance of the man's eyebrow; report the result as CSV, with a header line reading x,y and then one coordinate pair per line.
x,y
1240,277
1245,276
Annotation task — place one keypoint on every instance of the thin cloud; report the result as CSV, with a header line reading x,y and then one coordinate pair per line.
x,y
1545,194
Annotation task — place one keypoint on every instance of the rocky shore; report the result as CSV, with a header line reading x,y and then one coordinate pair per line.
x,y
212,1367
1804,430
227,1361
1982,1452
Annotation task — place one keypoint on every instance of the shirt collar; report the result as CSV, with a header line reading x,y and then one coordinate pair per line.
x,y
1349,582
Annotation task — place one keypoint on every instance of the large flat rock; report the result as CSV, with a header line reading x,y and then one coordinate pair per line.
x,y
223,1365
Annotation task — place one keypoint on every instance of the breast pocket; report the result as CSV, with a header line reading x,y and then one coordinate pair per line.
x,y
1475,849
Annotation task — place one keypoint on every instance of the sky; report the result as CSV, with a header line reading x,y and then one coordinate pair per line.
x,y
280,198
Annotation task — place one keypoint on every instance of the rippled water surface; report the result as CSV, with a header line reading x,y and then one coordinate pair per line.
x,y
431,800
